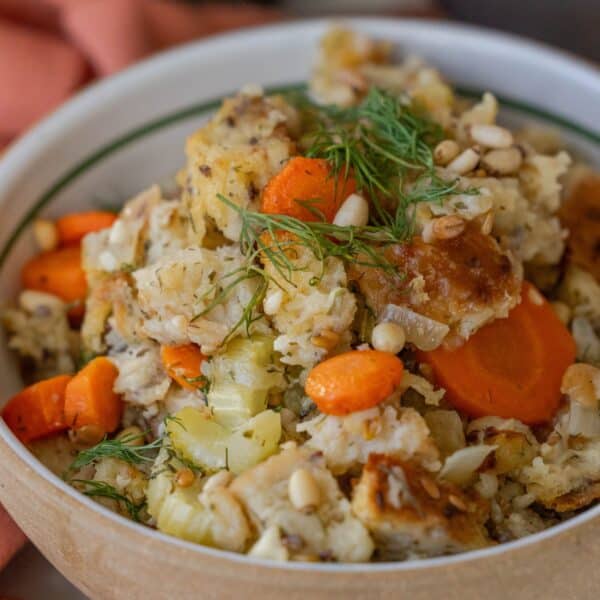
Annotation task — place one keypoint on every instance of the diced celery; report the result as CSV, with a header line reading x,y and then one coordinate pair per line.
x,y
198,438
241,378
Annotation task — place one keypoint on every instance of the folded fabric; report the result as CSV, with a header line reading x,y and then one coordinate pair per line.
x,y
50,48
11,538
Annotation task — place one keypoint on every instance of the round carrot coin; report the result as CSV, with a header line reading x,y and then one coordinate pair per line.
x,y
353,381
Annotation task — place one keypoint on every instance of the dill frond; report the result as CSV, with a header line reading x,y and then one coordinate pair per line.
x,y
118,448
101,489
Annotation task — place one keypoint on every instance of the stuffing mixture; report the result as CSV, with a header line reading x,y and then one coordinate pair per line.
x,y
366,327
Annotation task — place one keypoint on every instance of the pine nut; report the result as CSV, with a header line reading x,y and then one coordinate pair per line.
x,y
535,297
458,502
503,162
444,228
388,337
46,234
184,478
272,302
132,436
563,312
445,152
304,491
327,339
581,383
430,487
32,300
488,224
491,136
465,162
354,211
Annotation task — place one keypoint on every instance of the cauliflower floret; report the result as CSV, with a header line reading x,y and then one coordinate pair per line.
x,y
411,515
312,300
346,442
330,532
177,288
235,155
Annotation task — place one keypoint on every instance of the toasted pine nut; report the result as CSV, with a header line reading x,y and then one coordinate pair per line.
x,y
581,383
184,478
488,224
491,136
327,339
388,337
504,161
563,312
32,300
304,491
444,228
430,487
465,162
272,302
46,234
445,152
535,297
457,502
353,211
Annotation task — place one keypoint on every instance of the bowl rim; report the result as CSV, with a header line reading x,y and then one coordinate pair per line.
x,y
15,161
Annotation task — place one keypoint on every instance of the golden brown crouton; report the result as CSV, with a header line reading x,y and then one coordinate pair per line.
x,y
465,281
409,514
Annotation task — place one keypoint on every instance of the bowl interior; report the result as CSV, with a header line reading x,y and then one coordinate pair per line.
x,y
129,131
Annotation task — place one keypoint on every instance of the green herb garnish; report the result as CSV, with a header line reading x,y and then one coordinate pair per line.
x,y
117,448
101,489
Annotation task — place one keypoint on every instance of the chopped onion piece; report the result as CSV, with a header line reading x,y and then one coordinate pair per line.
x,y
425,333
460,466
584,420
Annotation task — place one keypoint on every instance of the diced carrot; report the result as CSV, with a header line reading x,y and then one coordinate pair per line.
x,y
38,410
353,381
90,399
306,182
57,272
74,227
182,364
511,368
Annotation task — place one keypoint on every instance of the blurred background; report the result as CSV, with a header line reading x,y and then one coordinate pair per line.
x,y
49,49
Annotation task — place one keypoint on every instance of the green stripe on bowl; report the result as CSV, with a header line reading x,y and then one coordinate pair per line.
x,y
201,108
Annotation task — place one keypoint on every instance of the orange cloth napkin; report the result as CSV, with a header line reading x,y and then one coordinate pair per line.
x,y
51,48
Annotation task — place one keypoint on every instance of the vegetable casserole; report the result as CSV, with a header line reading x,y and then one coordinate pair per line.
x,y
364,325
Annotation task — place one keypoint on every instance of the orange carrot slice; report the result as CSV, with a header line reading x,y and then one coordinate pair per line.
x,y
182,364
74,227
90,399
38,410
353,381
57,272
511,368
306,182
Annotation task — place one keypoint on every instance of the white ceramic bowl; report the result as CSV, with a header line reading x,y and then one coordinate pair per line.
x,y
127,132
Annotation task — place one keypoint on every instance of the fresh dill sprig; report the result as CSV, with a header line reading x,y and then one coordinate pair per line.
x,y
118,448
101,489
386,145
